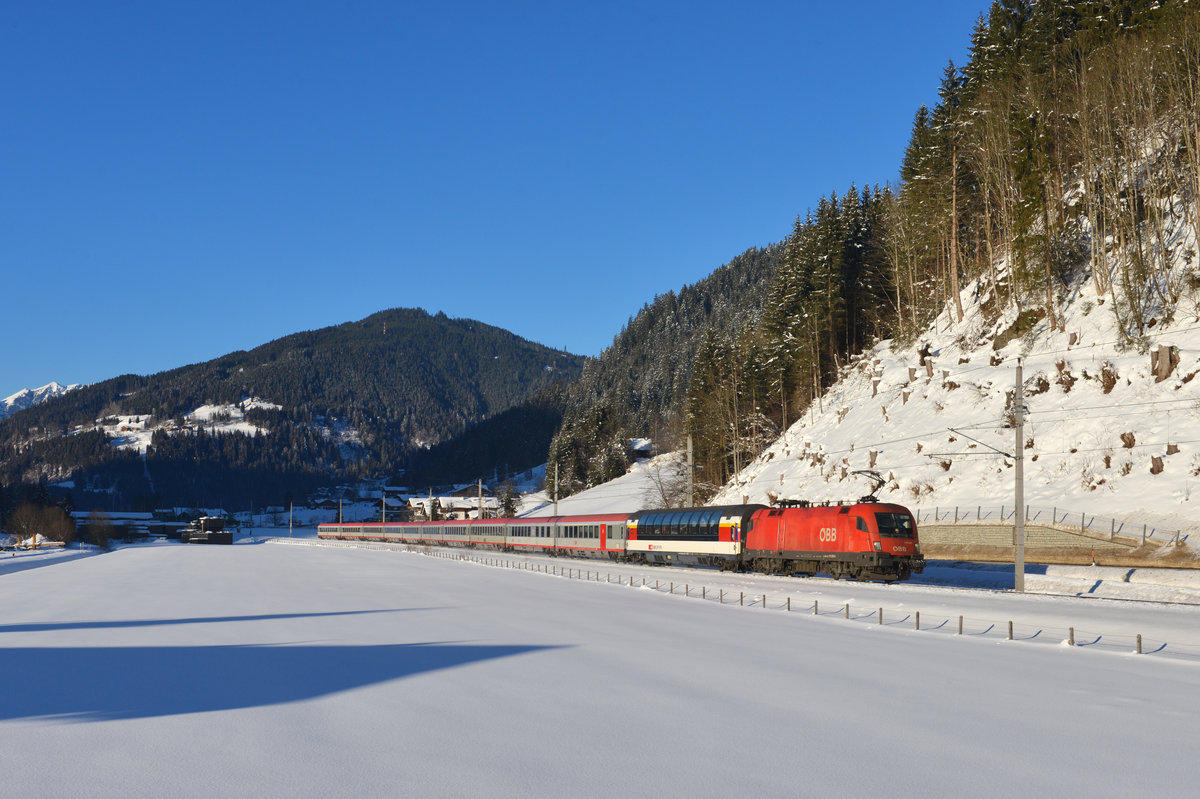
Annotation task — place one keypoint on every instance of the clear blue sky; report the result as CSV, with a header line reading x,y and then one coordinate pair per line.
x,y
184,179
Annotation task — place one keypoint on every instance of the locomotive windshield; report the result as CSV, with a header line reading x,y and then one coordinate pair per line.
x,y
894,525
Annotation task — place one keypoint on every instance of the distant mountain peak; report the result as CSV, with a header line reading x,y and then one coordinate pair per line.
x,y
28,397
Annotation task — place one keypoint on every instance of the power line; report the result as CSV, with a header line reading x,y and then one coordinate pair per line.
x,y
1193,400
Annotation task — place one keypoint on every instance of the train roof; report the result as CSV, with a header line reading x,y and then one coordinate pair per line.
x,y
702,510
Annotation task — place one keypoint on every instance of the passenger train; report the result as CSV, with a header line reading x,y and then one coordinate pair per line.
x,y
861,541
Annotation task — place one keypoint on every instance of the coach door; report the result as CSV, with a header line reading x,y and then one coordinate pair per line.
x,y
614,538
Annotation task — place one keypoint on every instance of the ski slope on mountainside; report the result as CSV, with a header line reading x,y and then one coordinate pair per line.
x,y
271,670
641,487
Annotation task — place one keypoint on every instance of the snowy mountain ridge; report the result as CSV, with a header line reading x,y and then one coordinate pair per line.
x,y
28,397
1104,432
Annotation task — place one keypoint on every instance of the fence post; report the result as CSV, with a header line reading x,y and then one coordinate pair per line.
x,y
789,604
847,610
1010,631
1139,643
742,599
881,615
815,611
764,604
960,625
1071,637
918,619
722,597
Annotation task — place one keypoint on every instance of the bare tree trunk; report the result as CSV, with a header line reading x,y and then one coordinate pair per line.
x,y
954,230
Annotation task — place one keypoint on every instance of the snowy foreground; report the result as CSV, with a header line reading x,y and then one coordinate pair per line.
x,y
270,669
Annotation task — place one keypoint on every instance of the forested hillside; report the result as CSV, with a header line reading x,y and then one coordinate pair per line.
x,y
1070,138
355,400
637,387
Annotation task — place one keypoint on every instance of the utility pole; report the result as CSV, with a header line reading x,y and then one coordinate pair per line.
x,y
291,505
1019,455
480,497
555,489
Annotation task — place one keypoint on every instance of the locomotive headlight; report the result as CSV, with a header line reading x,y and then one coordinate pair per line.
x,y
878,545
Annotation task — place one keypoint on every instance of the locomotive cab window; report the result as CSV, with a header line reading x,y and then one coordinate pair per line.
x,y
894,525
861,524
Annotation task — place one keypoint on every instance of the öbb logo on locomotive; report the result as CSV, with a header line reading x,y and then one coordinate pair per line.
x,y
866,540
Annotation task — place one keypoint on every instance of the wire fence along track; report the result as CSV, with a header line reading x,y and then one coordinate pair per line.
x,y
932,624
1082,523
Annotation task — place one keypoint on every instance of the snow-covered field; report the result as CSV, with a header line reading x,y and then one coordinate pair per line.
x,y
264,669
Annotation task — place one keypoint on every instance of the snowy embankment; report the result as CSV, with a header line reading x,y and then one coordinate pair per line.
x,y
268,670
1103,435
1160,605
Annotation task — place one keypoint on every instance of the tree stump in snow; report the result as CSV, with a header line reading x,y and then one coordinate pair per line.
x,y
1163,361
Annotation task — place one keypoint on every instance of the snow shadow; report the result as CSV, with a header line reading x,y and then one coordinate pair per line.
x,y
85,684
11,563
972,574
41,627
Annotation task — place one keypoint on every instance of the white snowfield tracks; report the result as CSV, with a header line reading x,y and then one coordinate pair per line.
x,y
1162,629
